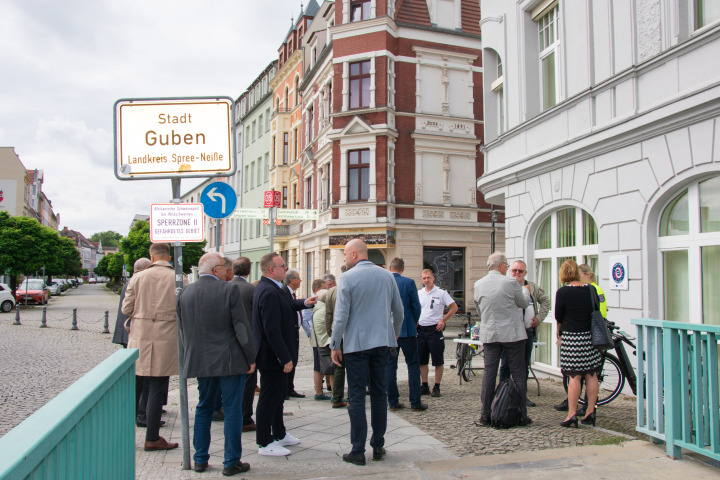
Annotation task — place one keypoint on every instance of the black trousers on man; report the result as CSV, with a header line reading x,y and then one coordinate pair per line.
x,y
269,412
249,398
515,352
291,375
157,388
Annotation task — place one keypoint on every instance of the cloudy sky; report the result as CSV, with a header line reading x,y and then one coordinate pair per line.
x,y
64,64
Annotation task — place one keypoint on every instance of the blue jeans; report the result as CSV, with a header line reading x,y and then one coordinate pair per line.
x,y
231,389
361,366
505,369
409,348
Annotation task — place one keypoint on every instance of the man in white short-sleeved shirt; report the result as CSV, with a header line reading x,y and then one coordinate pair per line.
x,y
431,341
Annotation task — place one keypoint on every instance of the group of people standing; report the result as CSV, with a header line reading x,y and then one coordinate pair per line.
x,y
230,329
507,333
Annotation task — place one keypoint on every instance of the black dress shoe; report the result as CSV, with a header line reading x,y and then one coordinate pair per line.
x,y
295,394
356,458
143,424
201,467
399,406
378,453
525,421
530,403
562,406
419,408
239,467
218,416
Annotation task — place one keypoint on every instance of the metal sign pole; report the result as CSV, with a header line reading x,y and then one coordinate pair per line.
x,y
184,421
272,228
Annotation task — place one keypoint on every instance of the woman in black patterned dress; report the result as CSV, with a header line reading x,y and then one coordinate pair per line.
x,y
578,357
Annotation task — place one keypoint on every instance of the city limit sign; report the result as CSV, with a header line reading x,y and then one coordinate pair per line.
x,y
173,138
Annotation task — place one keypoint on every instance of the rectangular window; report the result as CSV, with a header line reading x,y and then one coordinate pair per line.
x,y
711,284
258,223
285,148
360,84
308,193
252,174
706,12
247,136
267,120
259,171
245,180
676,279
310,124
359,10
296,144
358,175
285,197
566,228
549,41
254,130
260,126
266,170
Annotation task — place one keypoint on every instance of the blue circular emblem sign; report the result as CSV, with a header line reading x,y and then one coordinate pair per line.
x,y
219,200
618,273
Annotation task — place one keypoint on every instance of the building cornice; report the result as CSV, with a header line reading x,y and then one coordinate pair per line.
x,y
292,62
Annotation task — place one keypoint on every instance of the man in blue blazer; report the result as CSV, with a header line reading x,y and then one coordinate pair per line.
x,y
407,342
368,317
275,330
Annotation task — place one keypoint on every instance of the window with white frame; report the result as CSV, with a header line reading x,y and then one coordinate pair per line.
x,y
565,233
260,126
266,169
705,12
549,41
689,254
309,203
497,86
259,170
359,10
358,175
360,84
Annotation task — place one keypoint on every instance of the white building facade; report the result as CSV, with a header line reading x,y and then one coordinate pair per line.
x,y
602,140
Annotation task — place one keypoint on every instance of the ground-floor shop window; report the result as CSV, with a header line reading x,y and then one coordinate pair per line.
x,y
449,267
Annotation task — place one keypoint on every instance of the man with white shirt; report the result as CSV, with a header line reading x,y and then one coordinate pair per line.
x,y
430,336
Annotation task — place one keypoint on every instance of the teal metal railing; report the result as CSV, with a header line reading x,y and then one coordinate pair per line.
x,y
680,364
87,431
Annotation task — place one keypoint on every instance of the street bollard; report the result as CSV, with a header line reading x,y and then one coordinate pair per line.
x,y
43,322
74,322
17,316
105,326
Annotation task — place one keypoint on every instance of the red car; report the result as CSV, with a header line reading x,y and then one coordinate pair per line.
x,y
32,290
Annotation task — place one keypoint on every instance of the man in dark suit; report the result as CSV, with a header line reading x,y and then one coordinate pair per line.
x,y
241,270
407,342
219,350
275,331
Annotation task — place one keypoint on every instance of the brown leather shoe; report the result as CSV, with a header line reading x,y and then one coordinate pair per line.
x,y
250,427
339,405
159,444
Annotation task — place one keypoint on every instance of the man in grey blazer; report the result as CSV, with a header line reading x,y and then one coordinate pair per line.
x,y
368,319
241,269
500,299
218,349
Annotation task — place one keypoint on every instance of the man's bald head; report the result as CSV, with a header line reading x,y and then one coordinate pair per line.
x,y
141,264
355,250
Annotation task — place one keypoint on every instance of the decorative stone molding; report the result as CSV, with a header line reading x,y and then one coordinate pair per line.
x,y
444,215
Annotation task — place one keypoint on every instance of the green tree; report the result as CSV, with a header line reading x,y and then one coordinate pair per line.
x,y
26,247
115,265
102,267
137,244
108,238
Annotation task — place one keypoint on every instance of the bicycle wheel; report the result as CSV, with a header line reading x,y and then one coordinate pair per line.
x,y
611,381
467,363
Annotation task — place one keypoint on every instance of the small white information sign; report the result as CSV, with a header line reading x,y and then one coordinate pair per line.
x,y
299,214
181,222
619,272
250,213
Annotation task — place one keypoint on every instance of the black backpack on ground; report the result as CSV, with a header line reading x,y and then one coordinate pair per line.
x,y
506,408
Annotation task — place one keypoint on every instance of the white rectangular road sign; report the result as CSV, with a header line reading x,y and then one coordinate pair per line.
x,y
173,138
299,214
250,213
182,222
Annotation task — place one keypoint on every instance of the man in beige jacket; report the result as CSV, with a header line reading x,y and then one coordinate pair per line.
x,y
150,304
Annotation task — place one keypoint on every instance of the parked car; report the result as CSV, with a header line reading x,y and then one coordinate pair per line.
x,y
64,285
7,301
54,288
32,290
92,280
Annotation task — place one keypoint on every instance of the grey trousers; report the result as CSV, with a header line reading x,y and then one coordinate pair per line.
x,y
515,352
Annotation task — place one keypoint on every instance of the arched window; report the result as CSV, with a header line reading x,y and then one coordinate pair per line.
x,y
689,254
567,233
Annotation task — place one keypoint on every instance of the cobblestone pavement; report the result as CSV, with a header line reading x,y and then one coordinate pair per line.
x,y
450,418
36,363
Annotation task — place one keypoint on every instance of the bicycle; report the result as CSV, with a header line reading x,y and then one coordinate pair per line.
x,y
464,352
615,370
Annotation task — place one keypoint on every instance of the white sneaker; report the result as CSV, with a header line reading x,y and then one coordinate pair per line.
x,y
274,450
287,441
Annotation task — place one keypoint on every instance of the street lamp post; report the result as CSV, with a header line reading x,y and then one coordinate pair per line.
x,y
493,219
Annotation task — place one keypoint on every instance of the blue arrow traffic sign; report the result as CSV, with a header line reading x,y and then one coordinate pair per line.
x,y
219,200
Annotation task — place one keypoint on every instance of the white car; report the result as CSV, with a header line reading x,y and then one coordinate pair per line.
x,y
54,288
7,300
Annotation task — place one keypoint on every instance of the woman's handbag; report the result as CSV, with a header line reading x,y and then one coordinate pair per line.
x,y
601,337
327,367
